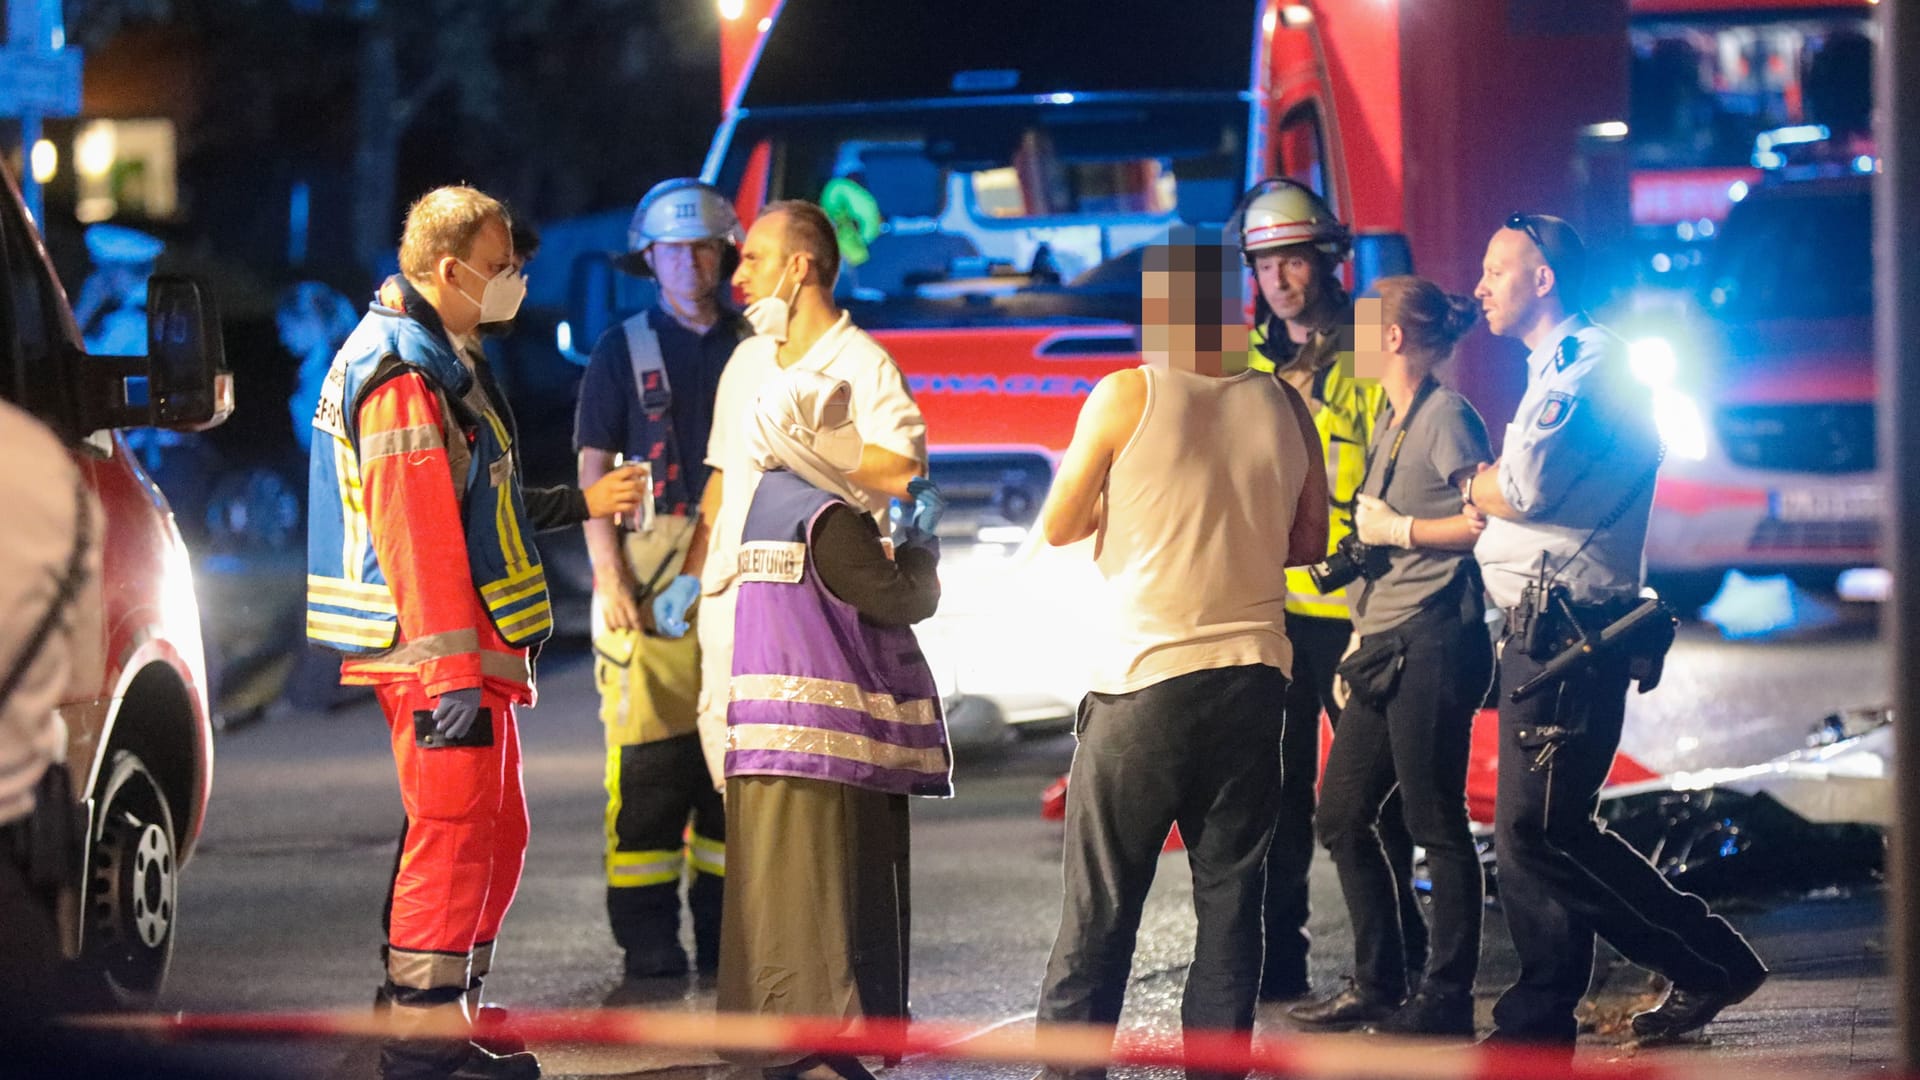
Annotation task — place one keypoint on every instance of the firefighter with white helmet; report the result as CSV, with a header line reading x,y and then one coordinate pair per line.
x,y
646,401
1304,332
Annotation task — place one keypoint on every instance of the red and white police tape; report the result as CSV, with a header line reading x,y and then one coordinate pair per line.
x,y
783,1038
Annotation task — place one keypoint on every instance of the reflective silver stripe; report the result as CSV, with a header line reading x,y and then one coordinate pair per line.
x,y
435,647
635,869
408,440
509,667
838,695
707,856
482,961
838,744
426,970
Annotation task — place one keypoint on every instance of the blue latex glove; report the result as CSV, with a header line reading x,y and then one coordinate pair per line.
x,y
910,537
670,607
455,712
929,506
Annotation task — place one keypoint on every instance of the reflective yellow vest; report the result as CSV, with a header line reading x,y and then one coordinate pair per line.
x,y
1348,408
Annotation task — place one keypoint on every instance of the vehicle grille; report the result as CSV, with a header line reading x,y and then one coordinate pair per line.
x,y
1771,535
1822,438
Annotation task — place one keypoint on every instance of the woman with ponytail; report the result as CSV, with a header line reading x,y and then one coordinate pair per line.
x,y
1415,678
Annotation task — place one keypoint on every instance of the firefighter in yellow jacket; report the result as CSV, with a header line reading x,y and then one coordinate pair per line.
x,y
1303,332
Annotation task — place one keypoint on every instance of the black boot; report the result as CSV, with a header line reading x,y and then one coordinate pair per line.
x,y
658,962
1431,1013
434,1059
1351,1007
646,924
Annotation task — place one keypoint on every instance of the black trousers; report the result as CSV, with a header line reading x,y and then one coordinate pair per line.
x,y
30,956
1200,750
1318,645
1414,742
654,790
1564,877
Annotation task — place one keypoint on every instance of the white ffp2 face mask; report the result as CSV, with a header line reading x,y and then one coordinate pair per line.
x,y
769,315
500,300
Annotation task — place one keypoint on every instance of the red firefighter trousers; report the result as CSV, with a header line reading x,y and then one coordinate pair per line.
x,y
465,845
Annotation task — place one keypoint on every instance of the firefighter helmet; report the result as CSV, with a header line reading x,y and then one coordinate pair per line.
x,y
679,211
1279,213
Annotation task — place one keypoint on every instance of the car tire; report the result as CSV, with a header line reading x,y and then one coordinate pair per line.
x,y
132,885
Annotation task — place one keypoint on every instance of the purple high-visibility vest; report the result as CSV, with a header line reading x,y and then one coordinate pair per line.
x,y
818,691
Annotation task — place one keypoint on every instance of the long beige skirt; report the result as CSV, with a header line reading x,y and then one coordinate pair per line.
x,y
817,907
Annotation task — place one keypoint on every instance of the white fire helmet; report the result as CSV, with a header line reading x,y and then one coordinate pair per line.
x,y
679,211
1280,213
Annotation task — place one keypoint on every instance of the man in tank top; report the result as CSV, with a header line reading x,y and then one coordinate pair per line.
x,y
1177,468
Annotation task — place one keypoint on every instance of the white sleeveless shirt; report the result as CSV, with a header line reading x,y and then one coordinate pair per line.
x,y
1199,505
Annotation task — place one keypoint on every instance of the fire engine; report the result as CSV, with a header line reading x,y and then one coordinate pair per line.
x,y
1020,155
1752,139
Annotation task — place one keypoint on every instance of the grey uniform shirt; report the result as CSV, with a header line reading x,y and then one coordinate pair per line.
x,y
1581,442
1445,438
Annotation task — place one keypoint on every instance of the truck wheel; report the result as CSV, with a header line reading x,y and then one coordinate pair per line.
x,y
132,887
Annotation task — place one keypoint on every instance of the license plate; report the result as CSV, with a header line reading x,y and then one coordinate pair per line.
x,y
1852,502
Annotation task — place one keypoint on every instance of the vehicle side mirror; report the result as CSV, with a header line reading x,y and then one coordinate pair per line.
x,y
186,355
182,383
1378,255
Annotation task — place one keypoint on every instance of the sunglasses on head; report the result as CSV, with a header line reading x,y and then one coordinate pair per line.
x,y
1526,223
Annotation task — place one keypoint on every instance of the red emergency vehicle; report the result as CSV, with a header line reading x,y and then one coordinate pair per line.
x,y
140,746
1018,156
1751,139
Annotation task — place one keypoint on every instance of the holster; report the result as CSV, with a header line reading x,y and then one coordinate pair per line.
x,y
1372,672
50,844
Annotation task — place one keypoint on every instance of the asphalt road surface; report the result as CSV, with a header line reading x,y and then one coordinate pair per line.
x,y
280,906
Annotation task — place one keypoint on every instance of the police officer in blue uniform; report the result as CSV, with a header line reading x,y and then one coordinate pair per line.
x,y
1567,505
646,401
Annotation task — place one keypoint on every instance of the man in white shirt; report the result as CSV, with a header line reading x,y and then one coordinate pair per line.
x,y
788,266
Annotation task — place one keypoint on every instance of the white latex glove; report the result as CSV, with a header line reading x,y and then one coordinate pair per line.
x,y
1378,524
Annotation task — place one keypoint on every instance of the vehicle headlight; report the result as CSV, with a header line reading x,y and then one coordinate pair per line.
x,y
1653,360
1678,419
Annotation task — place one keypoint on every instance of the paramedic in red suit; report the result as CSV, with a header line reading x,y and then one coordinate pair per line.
x,y
423,572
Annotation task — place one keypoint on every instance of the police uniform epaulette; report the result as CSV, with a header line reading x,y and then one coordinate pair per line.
x,y
1567,353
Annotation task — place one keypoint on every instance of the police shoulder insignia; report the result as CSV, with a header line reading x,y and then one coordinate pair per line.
x,y
1567,353
1555,411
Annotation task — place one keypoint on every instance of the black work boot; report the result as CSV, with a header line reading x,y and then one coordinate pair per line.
x,y
1353,1006
660,962
1431,1013
435,1059
1686,1010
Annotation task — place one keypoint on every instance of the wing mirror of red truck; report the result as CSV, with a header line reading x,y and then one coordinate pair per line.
x,y
183,382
